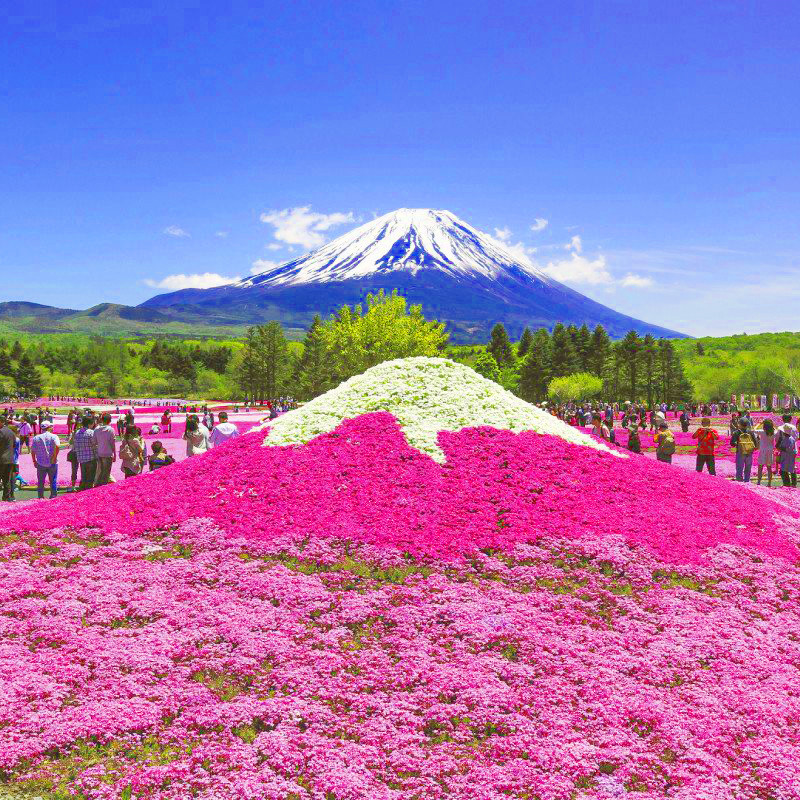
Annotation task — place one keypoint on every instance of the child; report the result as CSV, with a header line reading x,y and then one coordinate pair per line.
x,y
788,453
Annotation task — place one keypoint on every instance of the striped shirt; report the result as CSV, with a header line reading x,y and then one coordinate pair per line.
x,y
84,446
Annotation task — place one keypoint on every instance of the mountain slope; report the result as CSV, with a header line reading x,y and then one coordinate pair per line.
x,y
457,273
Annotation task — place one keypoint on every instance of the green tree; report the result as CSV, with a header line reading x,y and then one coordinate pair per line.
x,y
265,365
500,346
536,369
524,343
563,360
600,352
583,348
649,354
577,387
630,352
486,365
356,340
27,377
312,376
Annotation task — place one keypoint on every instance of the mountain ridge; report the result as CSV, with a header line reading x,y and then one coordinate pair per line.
x,y
460,275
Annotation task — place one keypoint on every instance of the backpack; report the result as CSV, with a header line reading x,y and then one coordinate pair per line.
x,y
746,445
666,447
612,437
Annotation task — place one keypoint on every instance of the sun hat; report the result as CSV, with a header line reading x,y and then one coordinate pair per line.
x,y
46,424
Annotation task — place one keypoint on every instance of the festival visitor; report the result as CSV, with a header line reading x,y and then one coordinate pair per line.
x,y
634,442
70,422
159,457
684,420
787,448
25,431
733,426
166,421
132,452
766,450
72,458
86,452
787,420
106,446
154,429
120,425
223,431
664,441
598,428
7,443
196,437
707,439
44,451
743,442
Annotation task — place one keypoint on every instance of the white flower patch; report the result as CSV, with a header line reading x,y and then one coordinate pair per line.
x,y
426,396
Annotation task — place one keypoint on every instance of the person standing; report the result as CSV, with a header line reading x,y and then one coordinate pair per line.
x,y
743,442
132,452
25,431
787,447
707,439
196,437
664,441
86,453
684,419
7,444
44,450
106,447
223,431
766,450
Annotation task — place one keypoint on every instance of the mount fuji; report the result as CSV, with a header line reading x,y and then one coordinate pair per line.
x,y
458,274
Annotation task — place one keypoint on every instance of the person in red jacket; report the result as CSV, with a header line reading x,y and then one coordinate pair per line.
x,y
707,439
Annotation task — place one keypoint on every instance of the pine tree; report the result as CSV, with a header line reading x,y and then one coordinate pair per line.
x,y
630,351
583,347
274,359
500,346
649,353
524,343
564,361
312,377
600,352
27,378
6,368
536,370
248,375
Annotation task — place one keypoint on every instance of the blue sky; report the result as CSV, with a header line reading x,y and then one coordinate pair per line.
x,y
138,144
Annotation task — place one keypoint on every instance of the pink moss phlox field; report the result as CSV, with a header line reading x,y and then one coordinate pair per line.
x,y
365,483
350,620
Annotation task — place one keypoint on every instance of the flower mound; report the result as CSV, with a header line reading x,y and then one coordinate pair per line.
x,y
426,396
351,619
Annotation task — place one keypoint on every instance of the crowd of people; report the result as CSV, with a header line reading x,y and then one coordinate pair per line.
x,y
92,445
773,446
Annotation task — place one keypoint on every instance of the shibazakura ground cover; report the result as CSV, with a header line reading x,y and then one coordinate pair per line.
x,y
349,617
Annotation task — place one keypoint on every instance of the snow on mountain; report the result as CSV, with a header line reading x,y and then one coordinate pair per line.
x,y
407,240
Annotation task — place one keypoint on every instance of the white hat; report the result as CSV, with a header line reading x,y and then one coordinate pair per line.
x,y
45,423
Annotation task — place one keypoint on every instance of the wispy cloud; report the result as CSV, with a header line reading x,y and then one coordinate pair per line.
x,y
174,230
221,234
539,224
631,280
303,227
197,280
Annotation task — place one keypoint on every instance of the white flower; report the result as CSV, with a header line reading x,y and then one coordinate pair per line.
x,y
426,396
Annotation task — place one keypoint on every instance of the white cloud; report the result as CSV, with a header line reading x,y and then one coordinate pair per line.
x,y
636,281
304,227
579,269
502,238
174,230
274,246
575,244
539,224
262,265
198,280
222,234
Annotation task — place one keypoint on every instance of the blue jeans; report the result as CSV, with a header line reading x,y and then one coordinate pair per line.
x,y
744,464
42,473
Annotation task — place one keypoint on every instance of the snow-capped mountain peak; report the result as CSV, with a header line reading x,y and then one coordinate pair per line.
x,y
408,240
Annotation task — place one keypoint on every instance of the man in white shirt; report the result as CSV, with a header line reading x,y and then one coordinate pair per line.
x,y
106,450
223,431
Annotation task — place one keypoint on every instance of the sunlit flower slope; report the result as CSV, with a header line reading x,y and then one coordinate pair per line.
x,y
347,619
